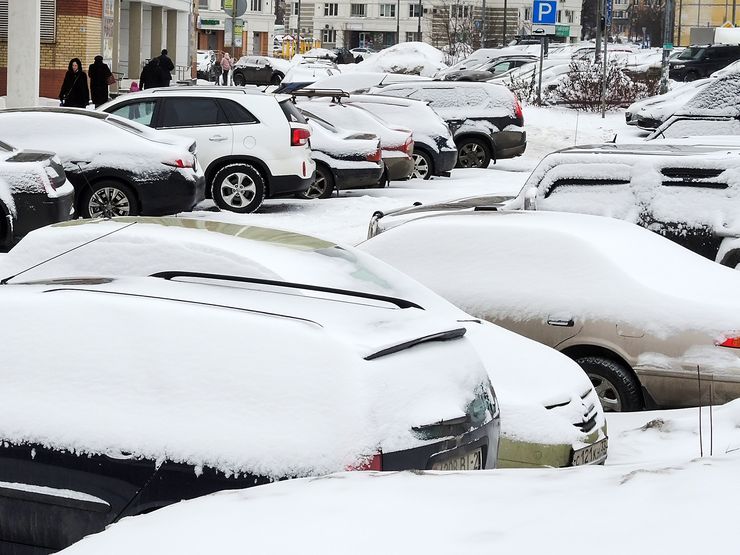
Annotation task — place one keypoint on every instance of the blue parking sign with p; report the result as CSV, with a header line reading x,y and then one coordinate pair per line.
x,y
545,12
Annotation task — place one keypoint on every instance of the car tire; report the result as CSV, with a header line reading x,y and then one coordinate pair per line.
x,y
276,79
423,165
473,153
238,188
107,199
323,185
239,79
615,384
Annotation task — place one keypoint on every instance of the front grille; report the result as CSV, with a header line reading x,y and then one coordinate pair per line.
x,y
690,174
587,423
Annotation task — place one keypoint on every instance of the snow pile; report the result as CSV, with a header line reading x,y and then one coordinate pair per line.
x,y
315,53
416,58
308,73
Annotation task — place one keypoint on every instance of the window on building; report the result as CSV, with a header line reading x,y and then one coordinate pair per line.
x,y
387,10
357,10
569,16
328,35
48,20
203,4
414,10
459,11
413,37
255,5
527,14
295,8
331,9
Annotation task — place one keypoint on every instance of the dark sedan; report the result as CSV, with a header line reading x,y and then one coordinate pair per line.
x,y
490,69
116,166
34,192
257,70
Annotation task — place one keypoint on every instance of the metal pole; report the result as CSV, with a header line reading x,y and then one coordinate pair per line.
x,y
680,18
298,25
418,28
603,73
398,21
233,34
483,25
542,61
597,52
734,2
667,44
506,6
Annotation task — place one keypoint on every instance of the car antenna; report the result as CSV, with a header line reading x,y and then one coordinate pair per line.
x,y
7,279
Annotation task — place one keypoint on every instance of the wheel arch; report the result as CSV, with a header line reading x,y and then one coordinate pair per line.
x,y
219,163
87,183
428,151
484,137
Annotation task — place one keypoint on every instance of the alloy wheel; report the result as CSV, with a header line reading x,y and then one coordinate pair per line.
x,y
238,190
421,166
318,187
108,202
471,155
607,393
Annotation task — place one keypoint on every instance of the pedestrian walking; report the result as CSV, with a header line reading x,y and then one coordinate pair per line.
x,y
74,92
100,78
227,70
166,67
151,76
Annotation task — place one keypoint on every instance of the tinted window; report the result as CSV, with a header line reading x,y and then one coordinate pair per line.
x,y
5,146
236,113
190,112
693,53
291,112
699,127
140,112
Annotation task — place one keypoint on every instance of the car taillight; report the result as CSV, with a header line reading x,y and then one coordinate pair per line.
x,y
181,163
375,156
408,146
732,342
299,136
375,463
518,113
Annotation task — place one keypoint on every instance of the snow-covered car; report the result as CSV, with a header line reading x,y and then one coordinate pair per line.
x,y
344,159
362,53
711,124
490,69
646,319
547,397
687,193
486,119
361,81
302,75
323,380
396,143
34,192
205,60
252,145
650,113
412,58
435,153
260,70
154,174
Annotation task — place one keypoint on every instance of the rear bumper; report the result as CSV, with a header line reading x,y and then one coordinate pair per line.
x,y
509,144
35,210
445,161
399,168
359,178
174,192
287,185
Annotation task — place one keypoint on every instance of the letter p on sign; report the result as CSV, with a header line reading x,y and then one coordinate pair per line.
x,y
545,12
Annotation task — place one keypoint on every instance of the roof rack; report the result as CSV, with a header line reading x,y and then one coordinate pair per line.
x,y
335,94
400,303
245,89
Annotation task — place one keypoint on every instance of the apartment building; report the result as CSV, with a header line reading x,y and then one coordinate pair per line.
x,y
382,23
257,24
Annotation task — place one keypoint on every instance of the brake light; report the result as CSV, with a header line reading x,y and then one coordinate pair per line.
x,y
518,113
375,463
731,342
375,156
407,147
299,136
181,163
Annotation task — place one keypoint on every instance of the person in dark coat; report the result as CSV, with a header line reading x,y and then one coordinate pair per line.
x,y
99,74
151,76
74,92
166,68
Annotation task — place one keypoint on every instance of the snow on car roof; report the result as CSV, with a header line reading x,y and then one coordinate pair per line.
x,y
416,58
361,80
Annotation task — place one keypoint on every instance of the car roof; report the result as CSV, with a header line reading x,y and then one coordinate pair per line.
x,y
199,90
60,110
648,148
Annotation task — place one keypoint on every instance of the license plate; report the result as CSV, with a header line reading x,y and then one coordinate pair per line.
x,y
590,454
467,461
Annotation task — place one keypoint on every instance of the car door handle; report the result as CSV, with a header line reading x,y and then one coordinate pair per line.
x,y
560,322
218,138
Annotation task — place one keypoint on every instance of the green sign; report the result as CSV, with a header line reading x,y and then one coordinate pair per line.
x,y
562,30
668,46
210,22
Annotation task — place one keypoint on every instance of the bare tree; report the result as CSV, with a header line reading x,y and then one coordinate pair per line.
x,y
455,28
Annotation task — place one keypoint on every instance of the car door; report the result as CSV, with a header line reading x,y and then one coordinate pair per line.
x,y
263,71
199,118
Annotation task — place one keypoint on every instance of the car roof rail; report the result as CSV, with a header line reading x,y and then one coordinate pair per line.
x,y
245,89
400,303
335,94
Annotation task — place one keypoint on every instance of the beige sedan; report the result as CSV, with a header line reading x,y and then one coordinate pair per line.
x,y
651,323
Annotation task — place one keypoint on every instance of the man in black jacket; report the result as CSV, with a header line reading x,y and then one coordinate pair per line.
x,y
166,67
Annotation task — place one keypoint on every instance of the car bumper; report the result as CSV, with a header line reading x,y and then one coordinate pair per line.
x,y
35,210
359,178
288,185
510,144
445,161
177,192
399,168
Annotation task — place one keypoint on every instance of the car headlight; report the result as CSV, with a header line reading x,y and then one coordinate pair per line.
x,y
678,66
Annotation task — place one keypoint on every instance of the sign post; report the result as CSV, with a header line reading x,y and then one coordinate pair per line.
x,y
544,19
607,28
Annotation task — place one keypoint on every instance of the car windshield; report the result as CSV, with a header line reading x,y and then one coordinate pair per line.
x,y
693,53
322,122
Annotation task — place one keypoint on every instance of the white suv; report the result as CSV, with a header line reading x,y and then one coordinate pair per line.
x,y
251,145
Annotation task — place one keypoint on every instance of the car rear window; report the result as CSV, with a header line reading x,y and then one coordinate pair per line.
x,y
5,146
292,113
191,112
236,113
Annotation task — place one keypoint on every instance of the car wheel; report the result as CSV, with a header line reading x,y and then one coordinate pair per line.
x,y
238,188
108,199
323,185
472,153
239,80
276,79
616,386
422,165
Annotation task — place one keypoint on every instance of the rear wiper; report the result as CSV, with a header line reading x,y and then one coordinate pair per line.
x,y
441,336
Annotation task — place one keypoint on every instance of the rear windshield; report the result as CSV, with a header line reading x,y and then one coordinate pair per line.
x,y
291,112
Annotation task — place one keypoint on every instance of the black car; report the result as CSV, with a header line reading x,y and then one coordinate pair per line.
x,y
697,62
34,192
490,69
117,167
256,70
486,119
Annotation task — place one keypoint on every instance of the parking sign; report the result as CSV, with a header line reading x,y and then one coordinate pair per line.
x,y
545,12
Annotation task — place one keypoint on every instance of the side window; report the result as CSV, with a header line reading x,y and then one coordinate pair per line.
x,y
140,112
691,127
236,113
192,112
438,97
500,68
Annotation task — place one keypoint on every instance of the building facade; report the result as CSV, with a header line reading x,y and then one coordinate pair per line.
x,y
702,13
257,24
126,33
382,23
